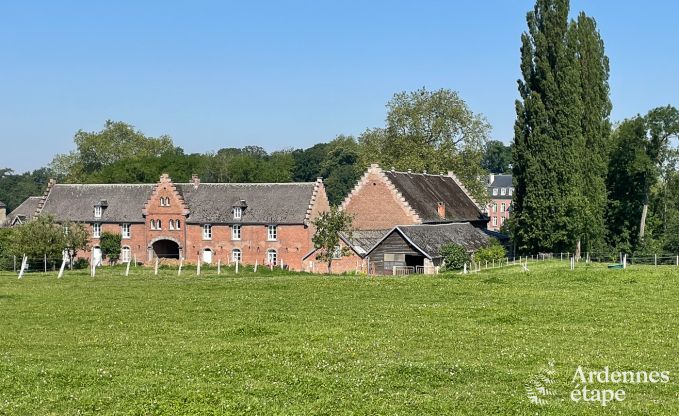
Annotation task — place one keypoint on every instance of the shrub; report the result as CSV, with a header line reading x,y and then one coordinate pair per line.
x,y
454,256
494,252
110,246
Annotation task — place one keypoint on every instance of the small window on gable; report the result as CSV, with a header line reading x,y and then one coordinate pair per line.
x,y
97,211
237,213
503,191
171,224
511,191
494,191
159,225
177,225
337,253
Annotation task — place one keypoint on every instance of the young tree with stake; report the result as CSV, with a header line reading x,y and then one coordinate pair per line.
x,y
326,239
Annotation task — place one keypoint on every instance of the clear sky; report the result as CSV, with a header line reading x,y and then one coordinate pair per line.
x,y
286,74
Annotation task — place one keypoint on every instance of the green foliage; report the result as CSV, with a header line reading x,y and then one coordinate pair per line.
x,y
110,246
37,238
560,132
15,188
454,256
432,131
326,237
494,252
497,157
76,238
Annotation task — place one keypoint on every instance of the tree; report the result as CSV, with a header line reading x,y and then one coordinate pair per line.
x,y
559,173
38,238
96,150
15,188
110,246
432,131
326,239
497,157
76,238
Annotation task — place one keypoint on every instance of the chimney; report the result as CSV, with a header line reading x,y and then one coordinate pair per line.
x,y
195,180
491,179
441,208
3,214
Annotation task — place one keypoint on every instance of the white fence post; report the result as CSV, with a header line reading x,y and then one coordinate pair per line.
x,y
181,263
237,262
61,269
198,267
24,263
127,268
155,269
257,264
219,266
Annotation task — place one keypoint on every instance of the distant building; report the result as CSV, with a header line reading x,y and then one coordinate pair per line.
x,y
500,192
24,212
3,213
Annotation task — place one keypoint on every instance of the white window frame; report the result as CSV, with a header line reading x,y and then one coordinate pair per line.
x,y
96,230
494,207
152,223
236,231
495,221
494,191
503,191
511,191
171,226
98,211
271,253
337,253
271,233
237,255
125,231
125,254
503,207
207,231
237,213
159,225
177,225
502,220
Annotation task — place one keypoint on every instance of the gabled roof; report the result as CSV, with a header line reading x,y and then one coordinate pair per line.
x,y
428,239
69,202
501,181
25,211
359,242
424,191
267,203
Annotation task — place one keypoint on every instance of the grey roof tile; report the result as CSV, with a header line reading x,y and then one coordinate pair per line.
x,y
430,238
25,211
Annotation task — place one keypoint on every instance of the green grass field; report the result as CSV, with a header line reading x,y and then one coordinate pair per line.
x,y
311,345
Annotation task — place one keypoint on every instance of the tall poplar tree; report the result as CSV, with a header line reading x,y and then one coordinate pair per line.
x,y
552,208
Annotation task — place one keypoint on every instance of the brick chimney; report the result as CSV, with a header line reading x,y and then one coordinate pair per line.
x,y
441,209
195,180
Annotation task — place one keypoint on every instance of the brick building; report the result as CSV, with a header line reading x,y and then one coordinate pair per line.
x,y
402,219
500,192
263,223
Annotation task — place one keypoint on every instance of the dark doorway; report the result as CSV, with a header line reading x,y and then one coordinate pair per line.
x,y
166,249
414,261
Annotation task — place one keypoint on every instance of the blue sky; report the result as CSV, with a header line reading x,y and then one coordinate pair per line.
x,y
286,75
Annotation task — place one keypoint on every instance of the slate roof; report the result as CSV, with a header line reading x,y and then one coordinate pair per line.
x,y
430,238
267,203
2,205
280,203
363,240
501,181
423,192
25,211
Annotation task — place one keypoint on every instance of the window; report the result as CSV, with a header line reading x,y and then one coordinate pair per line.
x,y
207,232
159,225
97,212
503,191
96,230
494,207
272,233
125,231
237,213
394,257
495,221
503,207
337,253
164,201
511,191
235,232
177,225
271,257
494,191
125,254
152,223
65,229
236,255
171,225
502,220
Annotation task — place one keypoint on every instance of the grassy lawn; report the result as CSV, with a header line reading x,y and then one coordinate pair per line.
x,y
304,345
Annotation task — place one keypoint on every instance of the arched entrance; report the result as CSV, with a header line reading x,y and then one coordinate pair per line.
x,y
166,249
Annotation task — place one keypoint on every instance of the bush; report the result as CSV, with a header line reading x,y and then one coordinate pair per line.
x,y
81,263
454,256
494,252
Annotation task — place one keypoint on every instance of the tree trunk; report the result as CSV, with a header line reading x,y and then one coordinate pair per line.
x,y
642,225
577,249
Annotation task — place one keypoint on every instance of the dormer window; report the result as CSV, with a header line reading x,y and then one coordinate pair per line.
x,y
494,191
237,213
503,191
97,211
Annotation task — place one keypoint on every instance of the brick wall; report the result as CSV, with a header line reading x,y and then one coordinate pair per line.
x,y
374,205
